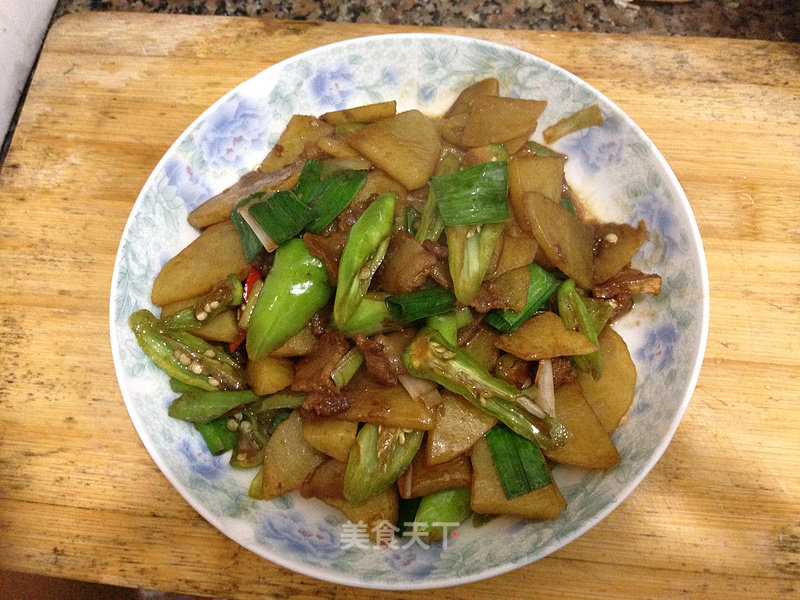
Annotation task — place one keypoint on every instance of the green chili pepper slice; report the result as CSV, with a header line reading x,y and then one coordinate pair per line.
x,y
295,288
363,252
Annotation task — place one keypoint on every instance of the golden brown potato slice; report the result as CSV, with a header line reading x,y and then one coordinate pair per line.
x,y
288,458
617,245
459,425
542,174
487,496
545,336
479,340
326,481
422,479
516,248
390,406
222,328
211,257
562,236
509,290
301,130
375,513
405,146
500,119
269,374
330,436
337,147
218,208
300,344
368,113
588,445
611,396
485,87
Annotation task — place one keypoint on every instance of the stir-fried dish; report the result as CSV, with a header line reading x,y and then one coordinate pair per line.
x,y
406,317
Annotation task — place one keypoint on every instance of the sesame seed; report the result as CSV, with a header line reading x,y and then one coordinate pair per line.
x,y
201,316
213,381
214,304
196,367
209,353
364,273
611,238
232,425
246,426
184,359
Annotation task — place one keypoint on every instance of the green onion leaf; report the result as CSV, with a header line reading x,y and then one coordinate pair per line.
x,y
474,196
519,462
283,215
326,196
541,287
420,304
251,243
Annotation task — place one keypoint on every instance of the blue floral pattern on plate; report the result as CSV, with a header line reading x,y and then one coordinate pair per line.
x,y
616,171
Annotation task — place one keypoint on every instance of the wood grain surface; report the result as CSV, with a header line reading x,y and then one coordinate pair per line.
x,y
718,517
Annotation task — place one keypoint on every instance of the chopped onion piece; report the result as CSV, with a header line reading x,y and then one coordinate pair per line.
x,y
416,386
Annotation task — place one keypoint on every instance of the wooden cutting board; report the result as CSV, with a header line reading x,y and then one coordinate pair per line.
x,y
718,517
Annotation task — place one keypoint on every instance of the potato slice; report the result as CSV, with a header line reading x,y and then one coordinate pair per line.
x,y
288,458
562,236
542,174
301,130
211,257
222,328
545,336
405,146
487,496
500,119
459,425
485,87
218,208
422,479
330,436
617,245
375,514
326,481
516,248
368,113
269,374
611,396
588,445
390,406
300,344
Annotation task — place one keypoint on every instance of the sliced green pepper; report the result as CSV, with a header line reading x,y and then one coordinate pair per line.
x,y
295,288
431,356
470,251
370,468
223,295
575,315
362,255
440,512
186,357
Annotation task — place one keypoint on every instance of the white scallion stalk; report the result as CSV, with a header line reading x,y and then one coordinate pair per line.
x,y
547,395
265,238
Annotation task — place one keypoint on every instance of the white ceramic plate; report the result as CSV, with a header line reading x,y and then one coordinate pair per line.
x,y
614,168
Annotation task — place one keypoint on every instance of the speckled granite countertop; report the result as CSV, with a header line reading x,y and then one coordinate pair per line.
x,y
756,19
